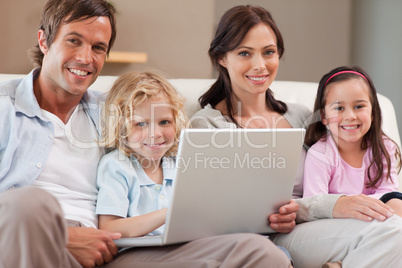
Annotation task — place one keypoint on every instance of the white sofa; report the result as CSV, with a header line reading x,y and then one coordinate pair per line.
x,y
288,91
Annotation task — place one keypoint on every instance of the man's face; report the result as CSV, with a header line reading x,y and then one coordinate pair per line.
x,y
76,56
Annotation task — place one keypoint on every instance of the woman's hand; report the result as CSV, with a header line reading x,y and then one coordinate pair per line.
x,y
91,247
361,207
284,221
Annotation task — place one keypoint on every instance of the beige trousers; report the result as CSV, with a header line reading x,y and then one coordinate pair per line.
x,y
33,234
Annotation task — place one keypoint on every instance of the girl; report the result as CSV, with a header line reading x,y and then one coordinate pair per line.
x,y
143,122
349,153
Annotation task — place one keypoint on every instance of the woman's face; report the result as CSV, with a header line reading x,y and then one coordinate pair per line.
x,y
253,65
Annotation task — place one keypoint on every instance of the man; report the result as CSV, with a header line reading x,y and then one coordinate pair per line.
x,y
48,160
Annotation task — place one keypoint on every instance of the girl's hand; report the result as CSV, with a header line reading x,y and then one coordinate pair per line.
x,y
361,207
284,221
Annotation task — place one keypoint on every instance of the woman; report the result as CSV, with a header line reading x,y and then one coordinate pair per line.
x,y
246,52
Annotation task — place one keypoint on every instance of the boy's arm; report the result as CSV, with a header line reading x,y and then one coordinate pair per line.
x,y
133,226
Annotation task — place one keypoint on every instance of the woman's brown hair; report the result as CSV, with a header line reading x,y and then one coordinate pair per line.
x,y
232,28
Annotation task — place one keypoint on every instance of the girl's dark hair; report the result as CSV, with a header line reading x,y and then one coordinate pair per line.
x,y
374,137
57,12
233,27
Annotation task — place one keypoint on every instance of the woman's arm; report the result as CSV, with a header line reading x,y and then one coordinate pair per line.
x,y
284,221
328,206
316,207
133,226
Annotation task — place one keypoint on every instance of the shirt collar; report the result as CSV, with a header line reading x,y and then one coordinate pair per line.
x,y
168,166
26,102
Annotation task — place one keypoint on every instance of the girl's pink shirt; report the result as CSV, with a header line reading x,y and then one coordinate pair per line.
x,y
326,172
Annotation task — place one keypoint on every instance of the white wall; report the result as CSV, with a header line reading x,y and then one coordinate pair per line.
x,y
176,34
377,46
19,20
319,35
316,34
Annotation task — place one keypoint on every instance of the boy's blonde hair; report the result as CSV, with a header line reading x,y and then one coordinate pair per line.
x,y
129,91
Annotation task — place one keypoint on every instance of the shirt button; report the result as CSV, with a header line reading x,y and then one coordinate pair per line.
x,y
157,188
39,165
162,197
51,136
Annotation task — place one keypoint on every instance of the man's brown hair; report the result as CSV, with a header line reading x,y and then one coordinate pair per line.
x,y
56,12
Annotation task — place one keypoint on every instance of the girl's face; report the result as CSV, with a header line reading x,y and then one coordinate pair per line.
x,y
153,130
348,111
253,65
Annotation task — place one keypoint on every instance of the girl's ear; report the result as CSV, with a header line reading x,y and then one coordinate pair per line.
x,y
323,117
42,42
222,62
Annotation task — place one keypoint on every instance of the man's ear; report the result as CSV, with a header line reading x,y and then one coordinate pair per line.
x,y
42,42
222,61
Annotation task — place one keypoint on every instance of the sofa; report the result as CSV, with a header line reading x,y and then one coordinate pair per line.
x,y
288,91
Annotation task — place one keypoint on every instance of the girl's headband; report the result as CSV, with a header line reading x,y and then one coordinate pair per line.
x,y
344,72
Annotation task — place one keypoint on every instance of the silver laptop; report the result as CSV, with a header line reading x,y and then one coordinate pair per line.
x,y
227,181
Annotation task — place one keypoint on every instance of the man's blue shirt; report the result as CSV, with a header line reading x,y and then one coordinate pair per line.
x,y
26,136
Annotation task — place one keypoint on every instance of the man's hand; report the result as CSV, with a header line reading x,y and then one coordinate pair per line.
x,y
91,247
284,221
361,207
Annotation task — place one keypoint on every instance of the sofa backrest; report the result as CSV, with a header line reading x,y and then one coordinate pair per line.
x,y
288,91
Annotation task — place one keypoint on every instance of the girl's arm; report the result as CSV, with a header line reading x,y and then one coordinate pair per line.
x,y
324,205
317,172
331,206
361,207
133,226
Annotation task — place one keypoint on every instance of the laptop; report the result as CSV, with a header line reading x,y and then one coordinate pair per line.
x,y
227,181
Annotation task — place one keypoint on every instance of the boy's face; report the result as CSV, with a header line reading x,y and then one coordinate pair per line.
x,y
153,129
76,56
